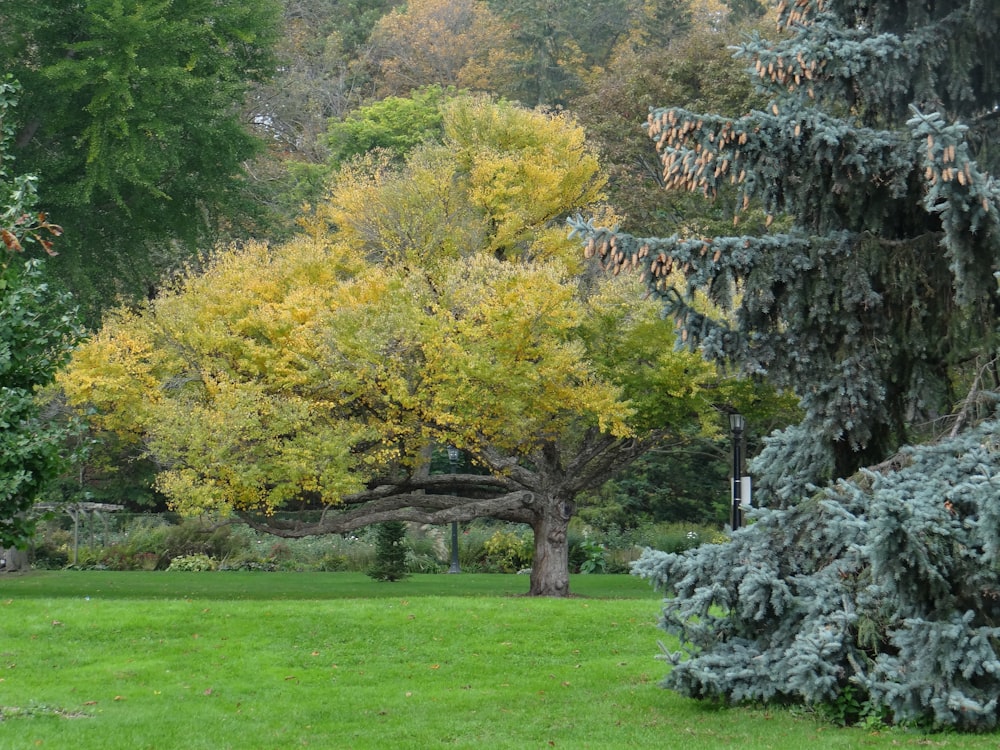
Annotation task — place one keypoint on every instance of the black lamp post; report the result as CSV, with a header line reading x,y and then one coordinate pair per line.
x,y
736,424
455,567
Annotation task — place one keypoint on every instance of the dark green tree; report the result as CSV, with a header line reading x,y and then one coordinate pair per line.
x,y
131,117
37,330
390,552
559,45
877,302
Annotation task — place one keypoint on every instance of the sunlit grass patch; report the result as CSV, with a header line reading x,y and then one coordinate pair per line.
x,y
207,660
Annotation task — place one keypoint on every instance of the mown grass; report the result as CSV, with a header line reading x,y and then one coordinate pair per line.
x,y
242,660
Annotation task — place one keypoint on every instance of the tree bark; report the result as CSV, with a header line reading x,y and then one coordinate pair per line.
x,y
550,568
15,560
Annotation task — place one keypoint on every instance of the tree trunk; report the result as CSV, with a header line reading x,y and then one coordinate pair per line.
x,y
15,560
550,568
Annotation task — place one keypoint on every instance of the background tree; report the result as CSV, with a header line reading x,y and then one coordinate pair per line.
x,y
394,125
130,117
692,68
556,44
318,77
876,302
563,50
440,310
459,43
36,332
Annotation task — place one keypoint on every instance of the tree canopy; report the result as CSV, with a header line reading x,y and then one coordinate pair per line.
x,y
428,305
458,43
130,116
880,284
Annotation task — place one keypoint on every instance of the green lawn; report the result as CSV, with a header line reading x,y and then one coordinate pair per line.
x,y
270,660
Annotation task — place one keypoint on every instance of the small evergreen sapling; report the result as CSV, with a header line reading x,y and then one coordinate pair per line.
x,y
390,552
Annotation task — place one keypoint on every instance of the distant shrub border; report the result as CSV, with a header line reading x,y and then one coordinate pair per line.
x,y
167,542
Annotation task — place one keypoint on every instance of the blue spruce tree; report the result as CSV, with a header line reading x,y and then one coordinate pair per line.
x,y
876,303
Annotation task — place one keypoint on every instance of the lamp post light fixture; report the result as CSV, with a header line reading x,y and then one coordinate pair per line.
x,y
736,424
453,455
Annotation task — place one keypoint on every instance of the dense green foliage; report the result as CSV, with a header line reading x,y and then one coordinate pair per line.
x,y
390,552
130,118
395,125
37,329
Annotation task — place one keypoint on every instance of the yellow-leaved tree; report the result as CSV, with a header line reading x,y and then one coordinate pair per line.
x,y
436,304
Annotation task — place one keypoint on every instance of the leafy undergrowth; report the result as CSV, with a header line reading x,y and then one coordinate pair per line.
x,y
388,665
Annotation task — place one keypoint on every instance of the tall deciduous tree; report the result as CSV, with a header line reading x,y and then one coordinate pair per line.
x,y
876,302
556,44
130,116
439,311
36,333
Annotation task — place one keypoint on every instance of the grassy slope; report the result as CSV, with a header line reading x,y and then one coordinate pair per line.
x,y
249,661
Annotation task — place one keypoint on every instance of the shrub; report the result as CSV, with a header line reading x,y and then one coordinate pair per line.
x,y
196,563
594,560
201,537
507,551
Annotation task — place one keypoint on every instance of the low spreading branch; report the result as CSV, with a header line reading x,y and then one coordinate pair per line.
x,y
409,506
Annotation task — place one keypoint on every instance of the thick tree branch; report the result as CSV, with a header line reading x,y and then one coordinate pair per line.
x,y
469,485
602,455
415,507
508,466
